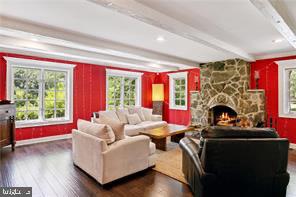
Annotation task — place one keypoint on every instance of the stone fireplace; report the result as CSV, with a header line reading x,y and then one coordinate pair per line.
x,y
225,96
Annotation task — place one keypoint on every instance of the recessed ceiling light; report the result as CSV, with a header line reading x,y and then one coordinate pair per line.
x,y
278,40
109,4
160,39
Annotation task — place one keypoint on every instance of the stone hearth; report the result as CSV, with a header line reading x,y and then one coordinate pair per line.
x,y
226,83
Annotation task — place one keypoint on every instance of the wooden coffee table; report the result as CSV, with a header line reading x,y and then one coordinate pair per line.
x,y
159,135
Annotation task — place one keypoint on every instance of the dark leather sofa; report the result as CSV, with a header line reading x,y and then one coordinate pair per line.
x,y
236,162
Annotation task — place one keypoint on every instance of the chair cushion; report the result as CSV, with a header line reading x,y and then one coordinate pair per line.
x,y
147,125
116,125
109,114
132,130
101,131
121,114
133,119
137,110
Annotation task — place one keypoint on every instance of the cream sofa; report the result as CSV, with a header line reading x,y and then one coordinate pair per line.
x,y
152,122
105,162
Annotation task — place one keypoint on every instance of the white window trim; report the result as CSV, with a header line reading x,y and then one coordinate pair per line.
x,y
122,73
20,62
283,83
173,76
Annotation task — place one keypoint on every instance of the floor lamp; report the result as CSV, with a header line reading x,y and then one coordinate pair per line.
x,y
157,98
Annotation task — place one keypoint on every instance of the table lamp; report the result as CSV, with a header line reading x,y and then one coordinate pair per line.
x,y
157,98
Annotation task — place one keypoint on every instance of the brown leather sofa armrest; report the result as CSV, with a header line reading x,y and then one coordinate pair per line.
x,y
191,150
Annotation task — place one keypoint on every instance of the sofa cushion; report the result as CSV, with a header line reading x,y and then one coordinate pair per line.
x,y
116,125
132,130
121,114
101,131
109,114
147,114
133,119
137,110
156,117
147,125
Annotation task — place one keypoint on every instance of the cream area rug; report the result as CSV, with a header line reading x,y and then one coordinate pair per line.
x,y
170,162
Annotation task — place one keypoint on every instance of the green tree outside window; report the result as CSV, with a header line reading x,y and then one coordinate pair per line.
x,y
292,91
121,92
39,94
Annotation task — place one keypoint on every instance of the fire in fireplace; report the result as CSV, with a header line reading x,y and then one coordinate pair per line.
x,y
222,116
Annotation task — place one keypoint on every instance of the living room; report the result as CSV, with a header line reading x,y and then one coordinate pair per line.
x,y
148,98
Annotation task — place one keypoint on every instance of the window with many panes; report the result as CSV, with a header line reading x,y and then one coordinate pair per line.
x,y
287,88
292,90
123,89
178,91
40,90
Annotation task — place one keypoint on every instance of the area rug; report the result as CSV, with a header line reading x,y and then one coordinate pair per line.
x,y
170,162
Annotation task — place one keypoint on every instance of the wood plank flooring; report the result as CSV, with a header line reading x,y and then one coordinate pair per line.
x,y
48,168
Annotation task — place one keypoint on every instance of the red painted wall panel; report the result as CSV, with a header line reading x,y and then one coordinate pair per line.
x,y
89,95
268,81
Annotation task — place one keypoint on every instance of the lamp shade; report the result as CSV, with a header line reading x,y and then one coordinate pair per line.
x,y
157,92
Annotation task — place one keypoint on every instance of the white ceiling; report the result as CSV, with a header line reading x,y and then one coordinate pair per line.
x,y
123,32
234,21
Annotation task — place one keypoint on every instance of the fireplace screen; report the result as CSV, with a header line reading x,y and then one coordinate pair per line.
x,y
222,116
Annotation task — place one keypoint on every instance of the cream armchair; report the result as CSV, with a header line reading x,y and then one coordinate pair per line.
x,y
105,162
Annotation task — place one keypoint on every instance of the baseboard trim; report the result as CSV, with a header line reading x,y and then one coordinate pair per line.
x,y
43,139
293,146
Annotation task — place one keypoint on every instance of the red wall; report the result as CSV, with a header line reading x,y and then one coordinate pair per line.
x,y
89,95
89,89
177,116
268,81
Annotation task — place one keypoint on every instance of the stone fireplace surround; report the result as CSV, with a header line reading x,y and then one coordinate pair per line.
x,y
226,83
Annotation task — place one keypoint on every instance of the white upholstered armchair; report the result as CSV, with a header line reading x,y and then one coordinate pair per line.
x,y
105,162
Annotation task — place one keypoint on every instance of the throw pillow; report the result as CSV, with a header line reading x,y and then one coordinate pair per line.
x,y
109,114
133,119
121,113
137,110
116,125
147,114
101,131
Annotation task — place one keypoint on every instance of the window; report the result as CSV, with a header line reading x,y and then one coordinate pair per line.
x,y
292,90
41,91
178,91
287,88
123,89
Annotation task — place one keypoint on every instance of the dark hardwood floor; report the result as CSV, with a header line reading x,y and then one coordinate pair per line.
x,y
48,168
